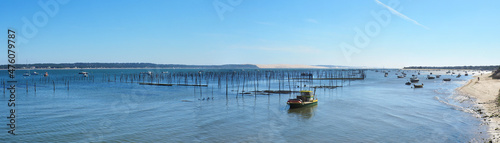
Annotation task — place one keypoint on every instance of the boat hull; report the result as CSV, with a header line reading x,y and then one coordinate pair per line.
x,y
304,104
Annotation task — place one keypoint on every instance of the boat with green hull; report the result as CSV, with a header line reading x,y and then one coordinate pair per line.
x,y
306,98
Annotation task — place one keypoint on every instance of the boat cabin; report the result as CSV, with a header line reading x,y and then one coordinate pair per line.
x,y
306,95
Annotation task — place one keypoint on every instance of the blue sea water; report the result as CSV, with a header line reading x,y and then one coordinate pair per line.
x,y
376,109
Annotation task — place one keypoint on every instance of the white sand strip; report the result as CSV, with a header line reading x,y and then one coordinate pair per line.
x,y
486,91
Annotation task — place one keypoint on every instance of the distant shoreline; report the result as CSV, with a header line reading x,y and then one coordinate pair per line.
x,y
46,66
489,67
486,91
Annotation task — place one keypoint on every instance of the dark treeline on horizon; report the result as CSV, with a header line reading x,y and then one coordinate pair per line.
x,y
125,65
491,67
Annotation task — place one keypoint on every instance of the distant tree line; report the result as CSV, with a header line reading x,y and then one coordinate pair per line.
x,y
491,67
127,65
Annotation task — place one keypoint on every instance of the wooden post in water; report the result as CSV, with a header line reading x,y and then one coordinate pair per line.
x,y
255,87
226,87
243,86
289,86
238,84
54,85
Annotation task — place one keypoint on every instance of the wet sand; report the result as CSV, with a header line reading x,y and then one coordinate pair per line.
x,y
486,92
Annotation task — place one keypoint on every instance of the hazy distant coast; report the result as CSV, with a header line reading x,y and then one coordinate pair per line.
x,y
163,66
489,67
224,66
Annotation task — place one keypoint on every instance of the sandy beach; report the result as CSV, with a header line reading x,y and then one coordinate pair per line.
x,y
486,92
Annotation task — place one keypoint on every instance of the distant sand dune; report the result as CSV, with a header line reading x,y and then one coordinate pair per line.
x,y
271,66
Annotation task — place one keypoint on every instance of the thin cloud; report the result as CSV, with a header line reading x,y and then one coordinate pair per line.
x,y
400,15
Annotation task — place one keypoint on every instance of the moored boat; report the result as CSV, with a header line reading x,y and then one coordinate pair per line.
x,y
447,79
414,79
46,74
306,98
430,77
418,86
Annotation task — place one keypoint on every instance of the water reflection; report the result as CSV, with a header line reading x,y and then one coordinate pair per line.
x,y
304,112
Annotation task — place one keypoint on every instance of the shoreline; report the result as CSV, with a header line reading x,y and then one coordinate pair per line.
x,y
486,92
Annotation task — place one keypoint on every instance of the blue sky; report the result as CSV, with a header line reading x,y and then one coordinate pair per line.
x,y
423,32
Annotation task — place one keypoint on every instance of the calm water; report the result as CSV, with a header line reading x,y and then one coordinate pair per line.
x,y
377,109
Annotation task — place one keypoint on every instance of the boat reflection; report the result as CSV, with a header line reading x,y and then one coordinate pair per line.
x,y
304,112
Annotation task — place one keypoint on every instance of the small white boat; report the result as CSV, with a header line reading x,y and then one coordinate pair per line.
x,y
414,79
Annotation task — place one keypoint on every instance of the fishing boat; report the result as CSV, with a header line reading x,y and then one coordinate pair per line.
x,y
400,76
408,83
26,74
447,79
438,76
82,72
418,86
34,73
306,98
459,75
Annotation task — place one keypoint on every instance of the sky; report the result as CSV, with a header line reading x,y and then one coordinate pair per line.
x,y
372,33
